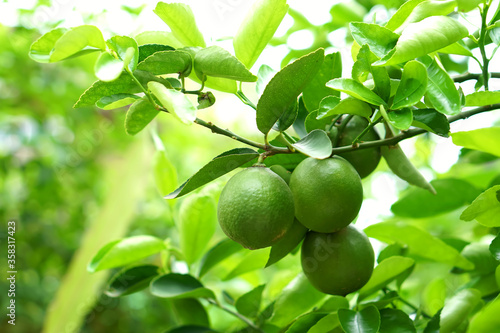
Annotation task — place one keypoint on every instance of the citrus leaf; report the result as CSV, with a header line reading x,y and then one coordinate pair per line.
x,y
164,172
412,87
125,251
147,50
468,5
219,166
189,311
400,16
158,37
457,309
401,119
325,105
363,66
288,243
356,90
364,321
224,249
380,39
40,49
487,320
139,115
287,118
180,19
347,106
457,48
257,29
484,139
495,247
395,321
316,144
482,98
131,280
107,68
485,209
175,102
327,323
432,121
264,75
305,322
313,123
425,9
191,329
284,88
419,242
168,62
178,286
127,50
217,62
249,304
253,260
116,101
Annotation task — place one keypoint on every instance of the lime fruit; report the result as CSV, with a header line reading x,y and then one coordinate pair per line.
x,y
256,208
327,193
363,160
337,263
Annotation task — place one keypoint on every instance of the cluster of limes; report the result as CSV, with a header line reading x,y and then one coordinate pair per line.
x,y
257,208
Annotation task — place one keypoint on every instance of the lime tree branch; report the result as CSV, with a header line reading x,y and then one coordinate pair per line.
x,y
239,316
473,76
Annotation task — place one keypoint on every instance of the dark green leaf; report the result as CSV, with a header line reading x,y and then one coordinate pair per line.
x,y
249,304
217,62
191,329
288,161
287,118
189,311
306,322
458,308
126,49
147,50
382,301
495,247
168,62
364,321
284,88
139,115
356,90
175,102
412,87
218,253
380,39
290,241
116,101
219,166
400,119
485,209
107,68
299,124
432,121
173,285
131,280
334,303
395,321
312,123
316,144
346,106
206,100
433,324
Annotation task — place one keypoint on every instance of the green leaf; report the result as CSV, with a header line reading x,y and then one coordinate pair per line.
x,y
257,29
299,124
317,90
217,62
180,19
432,121
116,101
484,139
412,87
197,221
380,39
175,102
264,75
219,166
127,50
305,322
480,255
441,90
450,195
329,323
168,62
428,8
401,119
429,35
131,280
364,321
457,48
287,118
249,304
482,98
40,49
495,247
434,296
125,251
485,209
433,324
326,104
385,272
316,144
190,311
178,286
487,320
356,90
468,5
191,329
108,68
158,37
347,106
252,261
139,115
147,50
205,100
313,123
288,243
419,242
363,66
395,321
164,172
457,309
284,88
494,33
224,249
400,16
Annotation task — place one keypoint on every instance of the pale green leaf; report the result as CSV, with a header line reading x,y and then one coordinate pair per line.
x,y
175,102
412,87
485,209
217,62
400,16
139,115
356,90
168,62
428,8
127,50
254,260
77,41
164,172
487,320
380,39
107,68
116,101
484,139
158,37
316,144
40,49
457,309
347,106
482,98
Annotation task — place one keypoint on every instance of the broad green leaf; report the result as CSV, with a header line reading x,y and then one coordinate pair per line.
x,y
316,144
288,161
40,49
480,255
395,321
131,280
147,50
158,37
107,68
434,296
288,307
433,324
127,50
139,115
116,101
429,35
482,98
219,166
168,62
450,195
257,29
364,321
325,105
384,300
305,322
457,48
164,172
317,90
468,5
249,304
363,67
218,253
432,121
412,87
428,8
385,272
196,221
313,123
346,11
400,16
494,33
457,309
287,118
485,209
329,323
180,19
299,124
347,106
254,260
487,320
284,88
288,243
264,75
125,251
380,39
178,286
484,139
334,303
191,329
495,247
175,102
190,311
400,119
441,89
356,90
217,62
419,242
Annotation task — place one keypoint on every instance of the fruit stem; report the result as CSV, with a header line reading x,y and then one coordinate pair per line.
x,y
367,128
341,128
237,315
245,99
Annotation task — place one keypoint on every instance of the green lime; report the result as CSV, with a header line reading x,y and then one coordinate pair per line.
x,y
255,208
363,160
327,193
337,263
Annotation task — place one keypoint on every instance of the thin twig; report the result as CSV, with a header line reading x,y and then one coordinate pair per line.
x,y
239,316
472,76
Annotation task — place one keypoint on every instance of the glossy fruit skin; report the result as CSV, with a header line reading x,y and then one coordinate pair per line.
x,y
256,208
337,263
363,160
327,193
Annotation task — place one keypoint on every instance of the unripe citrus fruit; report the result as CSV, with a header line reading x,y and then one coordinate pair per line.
x,y
363,160
256,208
327,193
337,263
